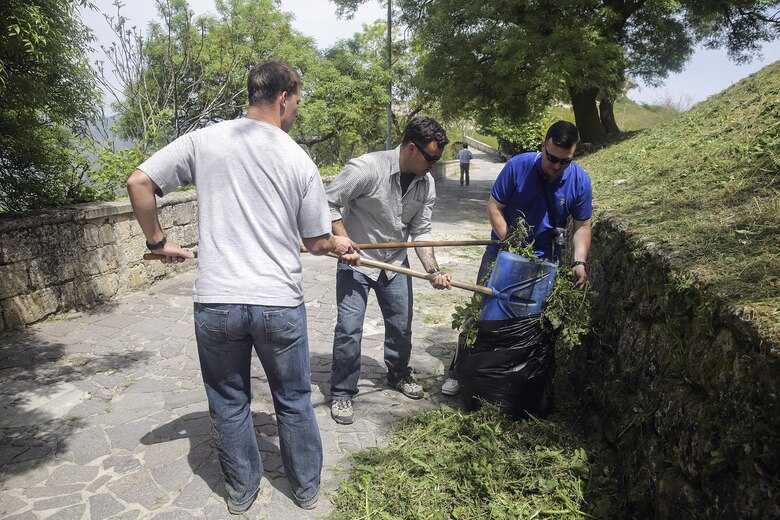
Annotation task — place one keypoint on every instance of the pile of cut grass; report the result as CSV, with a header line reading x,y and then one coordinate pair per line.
x,y
705,190
450,464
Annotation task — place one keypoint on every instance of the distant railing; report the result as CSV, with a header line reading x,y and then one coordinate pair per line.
x,y
482,147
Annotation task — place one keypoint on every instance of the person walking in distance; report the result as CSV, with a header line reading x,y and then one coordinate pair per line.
x,y
464,156
383,196
259,195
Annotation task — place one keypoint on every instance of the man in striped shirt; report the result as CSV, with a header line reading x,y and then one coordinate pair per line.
x,y
384,196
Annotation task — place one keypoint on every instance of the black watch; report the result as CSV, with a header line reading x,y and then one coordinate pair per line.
x,y
433,270
578,262
157,245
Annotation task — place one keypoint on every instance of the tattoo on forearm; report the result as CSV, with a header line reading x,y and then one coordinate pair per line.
x,y
425,254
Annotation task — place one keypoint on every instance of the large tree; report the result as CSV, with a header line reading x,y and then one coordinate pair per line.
x,y
46,90
512,55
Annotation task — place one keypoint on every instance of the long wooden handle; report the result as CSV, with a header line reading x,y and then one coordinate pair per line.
x,y
387,245
425,276
152,256
382,265
440,243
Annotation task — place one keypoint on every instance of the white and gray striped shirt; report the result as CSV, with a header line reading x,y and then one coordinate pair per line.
x,y
367,196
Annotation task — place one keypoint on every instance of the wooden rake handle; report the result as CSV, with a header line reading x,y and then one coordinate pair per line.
x,y
425,276
440,243
386,245
390,267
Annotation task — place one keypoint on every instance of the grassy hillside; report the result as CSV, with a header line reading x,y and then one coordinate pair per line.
x,y
705,189
629,115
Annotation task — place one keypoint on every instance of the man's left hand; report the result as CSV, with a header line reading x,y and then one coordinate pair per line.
x,y
442,281
580,276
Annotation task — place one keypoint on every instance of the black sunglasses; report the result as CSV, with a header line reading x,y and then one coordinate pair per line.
x,y
428,157
556,160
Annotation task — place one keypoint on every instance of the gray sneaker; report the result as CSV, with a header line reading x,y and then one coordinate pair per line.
x,y
341,411
409,387
450,387
312,502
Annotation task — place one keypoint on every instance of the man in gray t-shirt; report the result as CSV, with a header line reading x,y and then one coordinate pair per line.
x,y
383,196
259,194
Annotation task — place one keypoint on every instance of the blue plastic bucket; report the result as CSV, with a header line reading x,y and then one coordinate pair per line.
x,y
520,287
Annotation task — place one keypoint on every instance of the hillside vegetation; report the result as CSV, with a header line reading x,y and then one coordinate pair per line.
x,y
629,114
704,189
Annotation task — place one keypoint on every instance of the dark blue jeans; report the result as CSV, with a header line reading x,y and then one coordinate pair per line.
x,y
395,301
226,335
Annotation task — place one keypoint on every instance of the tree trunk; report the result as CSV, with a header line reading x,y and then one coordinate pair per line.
x,y
607,111
586,115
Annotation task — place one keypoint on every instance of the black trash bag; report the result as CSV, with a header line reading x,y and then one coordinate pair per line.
x,y
511,364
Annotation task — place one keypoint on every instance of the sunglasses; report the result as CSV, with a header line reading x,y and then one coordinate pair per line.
x,y
428,157
556,160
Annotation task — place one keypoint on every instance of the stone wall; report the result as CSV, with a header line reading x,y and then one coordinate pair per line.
x,y
446,170
685,389
482,147
77,256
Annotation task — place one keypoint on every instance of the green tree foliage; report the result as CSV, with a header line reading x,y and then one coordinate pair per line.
x,y
195,68
46,90
343,111
507,59
188,72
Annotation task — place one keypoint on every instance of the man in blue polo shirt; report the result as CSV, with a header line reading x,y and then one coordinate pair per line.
x,y
546,188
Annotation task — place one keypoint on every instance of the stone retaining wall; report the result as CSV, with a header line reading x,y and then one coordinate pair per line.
x,y
77,256
446,170
686,390
482,147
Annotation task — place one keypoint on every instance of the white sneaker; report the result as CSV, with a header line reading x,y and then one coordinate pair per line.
x,y
450,387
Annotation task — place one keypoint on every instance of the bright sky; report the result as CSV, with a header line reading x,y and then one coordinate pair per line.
x,y
706,74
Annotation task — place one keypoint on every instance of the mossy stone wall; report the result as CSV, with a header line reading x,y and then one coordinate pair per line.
x,y
685,390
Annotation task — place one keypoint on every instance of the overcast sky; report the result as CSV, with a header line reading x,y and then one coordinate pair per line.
x,y
706,74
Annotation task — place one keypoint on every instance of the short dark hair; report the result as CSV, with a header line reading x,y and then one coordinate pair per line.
x,y
268,78
465,145
423,130
563,134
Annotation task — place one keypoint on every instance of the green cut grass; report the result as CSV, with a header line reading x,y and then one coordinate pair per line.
x,y
447,464
704,189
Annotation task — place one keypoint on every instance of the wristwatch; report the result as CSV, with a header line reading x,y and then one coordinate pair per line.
x,y
433,270
578,262
157,245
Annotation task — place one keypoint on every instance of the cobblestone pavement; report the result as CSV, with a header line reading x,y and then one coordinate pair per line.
x,y
104,413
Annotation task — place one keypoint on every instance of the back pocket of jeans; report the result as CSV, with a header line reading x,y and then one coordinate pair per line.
x,y
283,326
211,322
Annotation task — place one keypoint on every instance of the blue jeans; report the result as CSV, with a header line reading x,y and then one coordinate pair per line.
x,y
226,335
395,301
488,259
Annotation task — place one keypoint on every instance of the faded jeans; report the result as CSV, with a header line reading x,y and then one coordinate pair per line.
x,y
226,335
395,301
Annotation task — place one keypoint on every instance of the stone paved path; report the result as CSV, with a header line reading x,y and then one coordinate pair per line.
x,y
104,413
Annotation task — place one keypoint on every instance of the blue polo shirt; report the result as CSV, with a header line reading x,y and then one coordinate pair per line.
x,y
522,189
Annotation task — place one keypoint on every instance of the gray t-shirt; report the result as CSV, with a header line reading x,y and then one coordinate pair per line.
x,y
258,192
